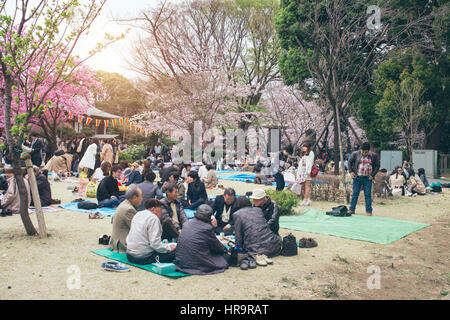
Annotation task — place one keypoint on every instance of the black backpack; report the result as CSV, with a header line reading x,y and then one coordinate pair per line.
x,y
289,246
87,205
340,211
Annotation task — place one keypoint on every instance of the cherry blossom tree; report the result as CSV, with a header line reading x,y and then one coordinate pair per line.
x,y
37,41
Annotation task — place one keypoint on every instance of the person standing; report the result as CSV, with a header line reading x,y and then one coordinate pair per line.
x,y
35,149
107,153
88,160
363,166
304,173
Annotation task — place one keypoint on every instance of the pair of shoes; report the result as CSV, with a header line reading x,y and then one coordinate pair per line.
x,y
3,213
260,261
96,215
247,263
307,243
350,211
307,203
104,240
269,261
369,214
75,190
114,266
8,212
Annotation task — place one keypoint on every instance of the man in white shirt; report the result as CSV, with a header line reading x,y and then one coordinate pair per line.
x,y
144,244
202,171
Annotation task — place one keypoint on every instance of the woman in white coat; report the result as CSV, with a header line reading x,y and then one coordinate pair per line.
x,y
304,173
88,160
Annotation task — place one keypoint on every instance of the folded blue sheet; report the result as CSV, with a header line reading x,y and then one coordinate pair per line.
x,y
73,206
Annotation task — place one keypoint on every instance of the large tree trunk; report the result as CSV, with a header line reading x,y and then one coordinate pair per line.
x,y
31,231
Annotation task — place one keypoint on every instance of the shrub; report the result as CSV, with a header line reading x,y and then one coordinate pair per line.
x,y
285,199
134,153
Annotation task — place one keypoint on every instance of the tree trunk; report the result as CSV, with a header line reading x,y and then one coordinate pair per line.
x,y
29,228
336,141
341,156
23,195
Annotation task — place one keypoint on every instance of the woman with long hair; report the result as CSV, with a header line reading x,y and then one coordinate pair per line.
x,y
304,173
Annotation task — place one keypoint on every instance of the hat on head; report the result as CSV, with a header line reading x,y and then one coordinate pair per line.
x,y
258,194
204,213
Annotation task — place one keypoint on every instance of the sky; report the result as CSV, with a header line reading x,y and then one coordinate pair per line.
x,y
113,58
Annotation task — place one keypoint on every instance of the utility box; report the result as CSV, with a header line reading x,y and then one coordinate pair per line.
x,y
390,159
427,159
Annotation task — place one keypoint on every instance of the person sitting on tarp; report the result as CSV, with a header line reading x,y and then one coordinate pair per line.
x,y
45,192
122,219
179,182
224,208
173,216
135,176
416,184
108,194
198,249
144,245
210,180
269,208
397,180
423,177
253,234
149,189
11,198
196,194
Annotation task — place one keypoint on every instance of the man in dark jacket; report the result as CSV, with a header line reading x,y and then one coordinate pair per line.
x,y
196,194
223,208
45,192
168,171
149,189
252,232
108,194
269,208
363,166
173,217
198,249
35,149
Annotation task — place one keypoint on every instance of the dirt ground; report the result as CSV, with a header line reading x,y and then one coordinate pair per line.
x,y
415,267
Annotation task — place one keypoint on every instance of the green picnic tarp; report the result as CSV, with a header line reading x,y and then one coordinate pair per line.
x,y
122,257
365,228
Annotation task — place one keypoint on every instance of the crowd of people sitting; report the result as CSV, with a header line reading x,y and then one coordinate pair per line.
x,y
150,223
161,231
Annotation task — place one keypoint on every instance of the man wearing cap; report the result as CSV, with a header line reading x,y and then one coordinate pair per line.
x,y
269,208
198,249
